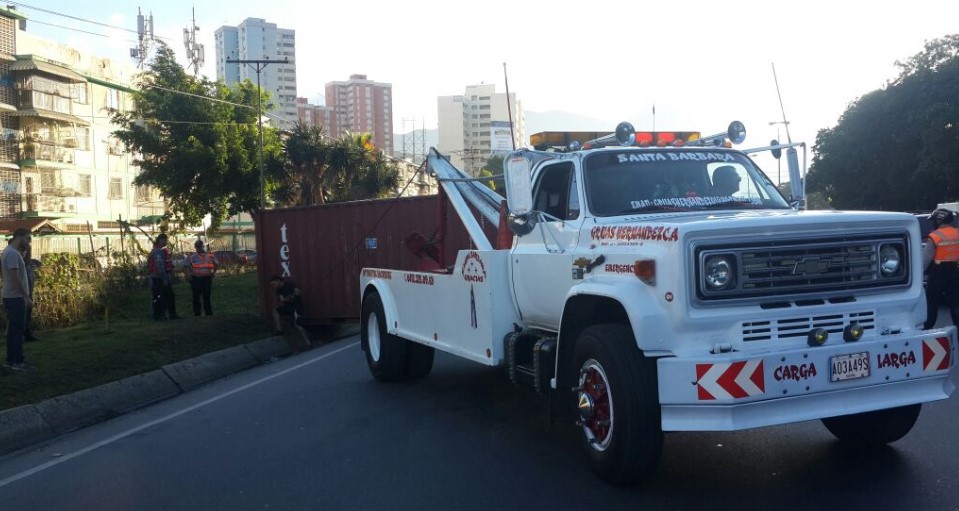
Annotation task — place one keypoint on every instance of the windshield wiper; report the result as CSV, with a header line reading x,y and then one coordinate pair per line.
x,y
650,208
744,204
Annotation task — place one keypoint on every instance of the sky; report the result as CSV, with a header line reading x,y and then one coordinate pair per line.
x,y
702,64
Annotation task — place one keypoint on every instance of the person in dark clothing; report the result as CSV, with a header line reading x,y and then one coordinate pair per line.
x,y
161,279
32,265
290,304
16,297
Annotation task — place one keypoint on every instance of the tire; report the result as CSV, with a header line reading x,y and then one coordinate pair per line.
x,y
385,353
874,428
628,449
419,360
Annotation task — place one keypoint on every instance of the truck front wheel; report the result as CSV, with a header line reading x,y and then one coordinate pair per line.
x,y
874,428
617,404
385,353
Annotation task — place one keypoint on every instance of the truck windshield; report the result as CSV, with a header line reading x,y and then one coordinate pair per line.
x,y
647,180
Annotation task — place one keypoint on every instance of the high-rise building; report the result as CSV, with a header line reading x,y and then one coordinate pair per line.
x,y
475,126
360,105
255,39
314,115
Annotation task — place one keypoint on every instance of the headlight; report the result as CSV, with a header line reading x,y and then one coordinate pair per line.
x,y
718,271
890,260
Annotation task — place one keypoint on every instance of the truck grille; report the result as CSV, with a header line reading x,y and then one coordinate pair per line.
x,y
794,268
789,328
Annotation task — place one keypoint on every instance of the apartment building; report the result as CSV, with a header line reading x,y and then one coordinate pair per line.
x,y
58,158
360,105
476,125
257,39
315,115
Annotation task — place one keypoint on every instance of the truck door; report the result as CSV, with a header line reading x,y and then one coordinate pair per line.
x,y
542,260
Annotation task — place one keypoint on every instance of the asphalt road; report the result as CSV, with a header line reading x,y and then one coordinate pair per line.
x,y
315,431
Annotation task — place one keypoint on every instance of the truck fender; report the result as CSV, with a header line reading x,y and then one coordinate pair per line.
x,y
389,303
601,301
608,300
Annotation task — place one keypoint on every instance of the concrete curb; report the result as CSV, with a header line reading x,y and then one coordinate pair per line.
x,y
192,373
268,348
22,426
29,424
85,407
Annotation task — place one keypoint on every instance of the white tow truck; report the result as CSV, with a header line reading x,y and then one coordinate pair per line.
x,y
659,281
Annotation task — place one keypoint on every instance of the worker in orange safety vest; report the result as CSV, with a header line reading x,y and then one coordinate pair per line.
x,y
202,267
941,254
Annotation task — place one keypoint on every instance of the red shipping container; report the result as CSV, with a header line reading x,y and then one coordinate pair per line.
x,y
323,248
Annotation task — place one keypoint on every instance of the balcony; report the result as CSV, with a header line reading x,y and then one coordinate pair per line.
x,y
49,206
48,155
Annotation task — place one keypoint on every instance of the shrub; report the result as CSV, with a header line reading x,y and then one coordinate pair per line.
x,y
72,289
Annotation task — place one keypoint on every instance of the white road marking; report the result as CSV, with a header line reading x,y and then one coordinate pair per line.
x,y
120,436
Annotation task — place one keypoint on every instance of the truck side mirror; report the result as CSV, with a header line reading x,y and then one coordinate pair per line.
x,y
521,225
795,179
778,151
519,188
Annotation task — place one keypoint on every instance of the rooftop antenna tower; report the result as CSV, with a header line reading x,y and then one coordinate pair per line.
x,y
194,50
144,38
410,142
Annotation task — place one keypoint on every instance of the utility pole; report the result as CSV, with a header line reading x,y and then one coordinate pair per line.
x,y
259,65
194,51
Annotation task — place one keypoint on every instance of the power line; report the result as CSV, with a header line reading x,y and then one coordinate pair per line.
x,y
48,11
217,100
77,30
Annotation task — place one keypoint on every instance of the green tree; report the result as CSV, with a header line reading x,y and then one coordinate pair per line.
x,y
896,148
196,141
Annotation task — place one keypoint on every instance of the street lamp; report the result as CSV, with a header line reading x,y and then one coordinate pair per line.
x,y
258,65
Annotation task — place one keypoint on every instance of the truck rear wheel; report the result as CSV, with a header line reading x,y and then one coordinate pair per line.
x,y
874,428
419,360
617,401
385,353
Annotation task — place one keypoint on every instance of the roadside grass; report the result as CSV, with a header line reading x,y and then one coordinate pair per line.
x,y
84,356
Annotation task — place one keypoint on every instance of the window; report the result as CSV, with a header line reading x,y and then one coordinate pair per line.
x,y
78,138
80,93
116,188
49,180
113,99
556,193
143,194
52,102
85,185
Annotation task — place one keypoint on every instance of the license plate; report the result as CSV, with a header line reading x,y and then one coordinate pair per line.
x,y
849,367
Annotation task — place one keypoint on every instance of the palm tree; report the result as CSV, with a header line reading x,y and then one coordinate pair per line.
x,y
319,170
308,167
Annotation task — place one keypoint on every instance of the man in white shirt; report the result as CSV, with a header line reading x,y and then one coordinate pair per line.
x,y
16,297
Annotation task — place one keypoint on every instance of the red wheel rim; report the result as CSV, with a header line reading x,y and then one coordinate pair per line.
x,y
596,405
